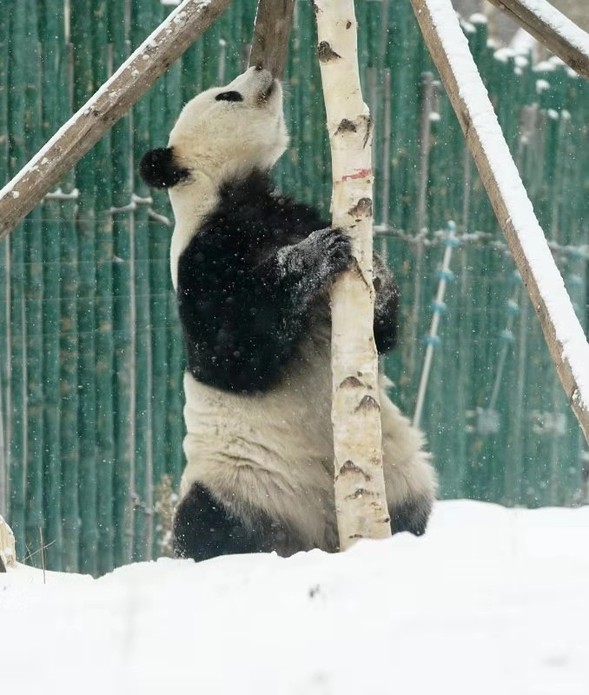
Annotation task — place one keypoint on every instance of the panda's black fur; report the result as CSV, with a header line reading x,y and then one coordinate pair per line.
x,y
244,308
251,280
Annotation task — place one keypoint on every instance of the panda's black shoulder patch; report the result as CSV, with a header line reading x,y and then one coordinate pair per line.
x,y
158,168
252,205
242,316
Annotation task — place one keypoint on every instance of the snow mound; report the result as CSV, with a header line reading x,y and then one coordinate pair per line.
x,y
490,601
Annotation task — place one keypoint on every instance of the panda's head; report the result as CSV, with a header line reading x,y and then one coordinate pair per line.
x,y
221,134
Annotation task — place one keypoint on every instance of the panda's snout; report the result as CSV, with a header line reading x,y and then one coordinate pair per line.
x,y
257,84
267,86
266,93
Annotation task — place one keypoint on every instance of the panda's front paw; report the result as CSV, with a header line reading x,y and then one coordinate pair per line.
x,y
328,253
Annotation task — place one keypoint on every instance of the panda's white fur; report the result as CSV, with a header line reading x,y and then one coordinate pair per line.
x,y
259,461
224,146
277,450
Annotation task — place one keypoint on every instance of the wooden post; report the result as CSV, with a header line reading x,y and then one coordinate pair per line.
x,y
552,28
128,84
360,498
271,32
7,547
562,331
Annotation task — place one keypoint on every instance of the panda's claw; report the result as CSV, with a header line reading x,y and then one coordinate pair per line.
x,y
331,250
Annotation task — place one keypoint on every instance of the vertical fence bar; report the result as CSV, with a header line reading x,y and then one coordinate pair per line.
x,y
103,305
310,153
17,158
425,107
81,13
33,300
174,350
51,36
5,413
158,284
123,305
288,167
69,337
143,452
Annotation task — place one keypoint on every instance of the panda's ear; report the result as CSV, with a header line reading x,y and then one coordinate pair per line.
x,y
158,168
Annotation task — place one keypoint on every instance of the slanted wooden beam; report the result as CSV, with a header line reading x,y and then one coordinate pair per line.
x,y
562,331
552,29
116,96
271,32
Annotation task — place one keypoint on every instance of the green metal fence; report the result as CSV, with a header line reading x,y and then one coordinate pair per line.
x,y
91,361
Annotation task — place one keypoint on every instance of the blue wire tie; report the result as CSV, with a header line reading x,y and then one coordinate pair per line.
x,y
433,340
512,307
507,336
452,241
577,254
446,275
439,307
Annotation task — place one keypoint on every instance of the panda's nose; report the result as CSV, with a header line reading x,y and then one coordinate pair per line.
x,y
259,67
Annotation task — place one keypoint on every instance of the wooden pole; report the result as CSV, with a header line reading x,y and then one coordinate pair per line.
x,y
360,498
7,547
552,28
562,331
271,32
128,84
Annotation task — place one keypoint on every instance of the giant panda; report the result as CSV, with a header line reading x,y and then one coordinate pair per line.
x,y
251,269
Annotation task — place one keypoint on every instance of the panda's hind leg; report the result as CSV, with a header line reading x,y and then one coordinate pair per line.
x,y
411,515
204,528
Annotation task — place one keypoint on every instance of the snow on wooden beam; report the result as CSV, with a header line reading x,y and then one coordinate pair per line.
x,y
271,32
553,29
116,96
562,330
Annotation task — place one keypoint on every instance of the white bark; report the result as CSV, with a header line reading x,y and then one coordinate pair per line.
x,y
359,483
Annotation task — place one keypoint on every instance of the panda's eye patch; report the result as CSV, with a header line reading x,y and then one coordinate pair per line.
x,y
229,96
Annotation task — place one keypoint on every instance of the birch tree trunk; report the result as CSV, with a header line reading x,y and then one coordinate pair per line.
x,y
359,483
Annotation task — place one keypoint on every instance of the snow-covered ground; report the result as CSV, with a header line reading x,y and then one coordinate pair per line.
x,y
490,601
